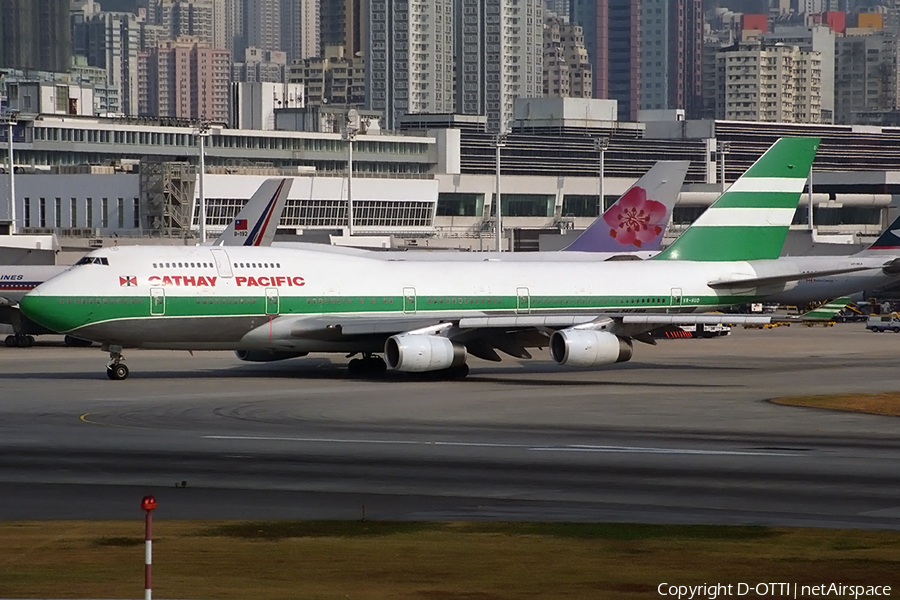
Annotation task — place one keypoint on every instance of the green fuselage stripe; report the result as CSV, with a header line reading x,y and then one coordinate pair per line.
x,y
68,314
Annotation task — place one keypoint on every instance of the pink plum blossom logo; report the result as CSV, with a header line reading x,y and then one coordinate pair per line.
x,y
635,219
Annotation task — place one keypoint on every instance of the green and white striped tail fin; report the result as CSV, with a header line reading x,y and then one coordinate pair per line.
x,y
751,219
827,311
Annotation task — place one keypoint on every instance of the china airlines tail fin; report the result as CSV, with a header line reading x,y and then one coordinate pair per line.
x,y
638,219
751,219
255,225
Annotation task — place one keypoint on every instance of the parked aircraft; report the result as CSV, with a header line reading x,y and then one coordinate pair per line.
x,y
271,303
254,225
878,266
631,228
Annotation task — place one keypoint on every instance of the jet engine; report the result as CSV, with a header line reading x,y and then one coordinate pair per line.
x,y
417,353
588,348
266,355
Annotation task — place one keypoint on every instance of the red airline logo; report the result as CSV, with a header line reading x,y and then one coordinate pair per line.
x,y
127,281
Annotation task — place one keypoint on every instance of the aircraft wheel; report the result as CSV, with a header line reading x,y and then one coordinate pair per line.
x,y
376,365
11,341
29,341
117,372
356,366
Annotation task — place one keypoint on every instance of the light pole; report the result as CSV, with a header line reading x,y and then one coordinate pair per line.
x,y
724,148
601,145
202,134
348,135
10,118
499,142
809,208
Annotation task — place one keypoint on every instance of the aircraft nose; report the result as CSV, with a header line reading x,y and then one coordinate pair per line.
x,y
52,312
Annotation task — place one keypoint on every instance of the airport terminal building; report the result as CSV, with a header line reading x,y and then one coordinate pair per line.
x,y
430,184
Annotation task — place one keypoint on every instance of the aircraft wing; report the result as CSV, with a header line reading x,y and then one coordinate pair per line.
x,y
282,330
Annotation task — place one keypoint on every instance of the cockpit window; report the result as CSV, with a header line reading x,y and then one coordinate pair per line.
x,y
93,260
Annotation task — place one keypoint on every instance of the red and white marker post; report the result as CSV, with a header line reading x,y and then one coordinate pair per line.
x,y
148,504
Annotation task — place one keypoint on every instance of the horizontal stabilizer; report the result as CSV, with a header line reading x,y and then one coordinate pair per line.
x,y
756,282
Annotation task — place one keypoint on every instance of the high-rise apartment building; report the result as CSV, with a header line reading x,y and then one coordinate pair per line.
x,y
612,36
499,57
671,55
560,8
111,41
300,28
567,69
260,66
777,84
184,79
865,74
713,43
194,18
817,38
410,48
262,24
35,35
331,79
235,39
341,24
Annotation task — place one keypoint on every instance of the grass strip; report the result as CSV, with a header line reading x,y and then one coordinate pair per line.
x,y
887,403
426,561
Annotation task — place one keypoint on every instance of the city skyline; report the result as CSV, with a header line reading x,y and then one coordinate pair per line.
x,y
470,57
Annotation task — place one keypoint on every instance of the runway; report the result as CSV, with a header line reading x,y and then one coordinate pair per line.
x,y
684,433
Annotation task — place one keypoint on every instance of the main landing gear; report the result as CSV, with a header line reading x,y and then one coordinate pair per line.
x,y
115,368
19,340
367,365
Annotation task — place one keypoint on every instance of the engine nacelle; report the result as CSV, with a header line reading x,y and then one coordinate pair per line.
x,y
266,355
588,348
417,353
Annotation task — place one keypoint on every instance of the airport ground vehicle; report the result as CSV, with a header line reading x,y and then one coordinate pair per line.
x,y
879,323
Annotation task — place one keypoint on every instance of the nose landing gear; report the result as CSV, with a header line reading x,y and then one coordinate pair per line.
x,y
115,368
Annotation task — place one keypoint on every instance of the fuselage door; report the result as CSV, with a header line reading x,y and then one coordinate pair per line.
x,y
675,300
272,301
223,264
409,300
157,301
523,301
